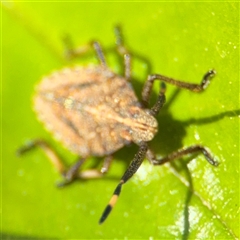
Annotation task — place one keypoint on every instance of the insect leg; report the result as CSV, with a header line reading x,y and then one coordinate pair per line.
x,y
69,174
99,52
190,86
160,101
72,173
71,52
95,173
133,167
106,164
52,155
122,50
181,153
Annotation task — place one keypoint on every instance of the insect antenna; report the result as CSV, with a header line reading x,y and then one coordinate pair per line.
x,y
111,203
133,167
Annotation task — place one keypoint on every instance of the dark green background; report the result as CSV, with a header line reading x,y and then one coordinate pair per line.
x,y
182,40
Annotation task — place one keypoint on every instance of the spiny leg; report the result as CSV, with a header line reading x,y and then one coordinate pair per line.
x,y
190,86
122,50
133,167
181,153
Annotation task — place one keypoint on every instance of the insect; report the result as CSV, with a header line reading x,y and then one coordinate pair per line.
x,y
95,112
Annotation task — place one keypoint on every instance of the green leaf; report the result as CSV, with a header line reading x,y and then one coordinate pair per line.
x,y
179,200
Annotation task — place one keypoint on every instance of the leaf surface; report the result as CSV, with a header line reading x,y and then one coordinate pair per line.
x,y
174,201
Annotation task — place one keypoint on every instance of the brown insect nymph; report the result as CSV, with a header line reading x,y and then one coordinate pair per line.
x,y
95,112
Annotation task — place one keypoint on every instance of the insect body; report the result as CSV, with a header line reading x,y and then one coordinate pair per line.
x,y
95,112
92,111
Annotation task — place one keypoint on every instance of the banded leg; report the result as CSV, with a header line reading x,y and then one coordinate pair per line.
x,y
190,86
122,50
181,153
133,167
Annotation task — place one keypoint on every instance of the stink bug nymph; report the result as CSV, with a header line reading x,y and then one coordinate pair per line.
x,y
95,112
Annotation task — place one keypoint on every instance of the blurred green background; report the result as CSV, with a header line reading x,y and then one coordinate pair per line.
x,y
181,40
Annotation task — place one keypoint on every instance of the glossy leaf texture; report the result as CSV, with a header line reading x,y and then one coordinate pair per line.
x,y
188,199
